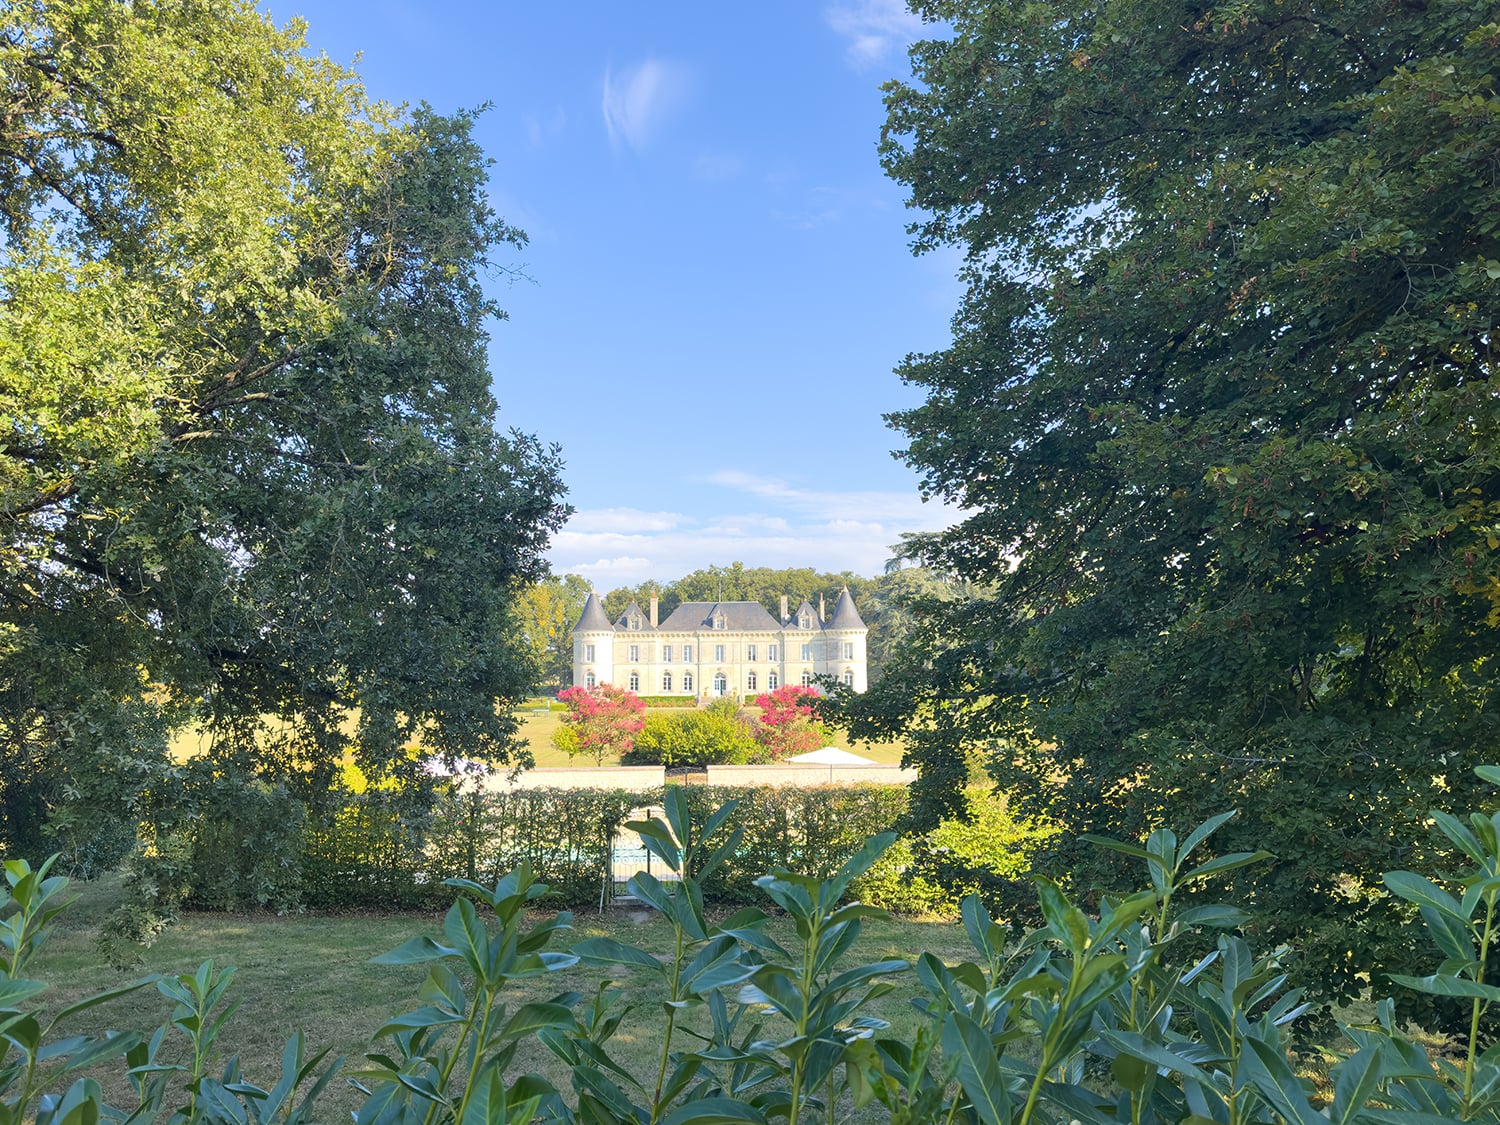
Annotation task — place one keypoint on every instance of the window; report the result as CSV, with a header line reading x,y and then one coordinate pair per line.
x,y
589,681
635,681
773,681
807,679
771,652
687,681
666,681
718,621
588,653
718,652
848,677
687,654
635,652
751,681
807,652
721,685
749,652
848,650
666,654
805,621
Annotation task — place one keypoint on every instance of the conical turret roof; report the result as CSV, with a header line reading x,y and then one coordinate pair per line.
x,y
845,616
594,619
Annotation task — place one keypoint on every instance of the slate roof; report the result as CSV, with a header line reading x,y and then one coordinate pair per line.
x,y
739,617
845,616
806,606
633,610
593,619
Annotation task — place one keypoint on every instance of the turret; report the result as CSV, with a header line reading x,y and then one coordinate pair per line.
x,y
593,645
845,636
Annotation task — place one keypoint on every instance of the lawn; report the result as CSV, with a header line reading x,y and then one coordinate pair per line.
x,y
537,726
313,972
539,721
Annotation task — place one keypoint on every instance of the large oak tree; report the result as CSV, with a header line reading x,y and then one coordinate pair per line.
x,y
248,464
1221,408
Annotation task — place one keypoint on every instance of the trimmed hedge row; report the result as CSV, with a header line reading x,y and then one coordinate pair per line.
x,y
249,846
372,856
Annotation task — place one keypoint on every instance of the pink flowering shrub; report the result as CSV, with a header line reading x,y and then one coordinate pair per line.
x,y
601,722
788,722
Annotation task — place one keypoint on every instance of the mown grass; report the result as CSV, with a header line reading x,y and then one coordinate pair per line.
x,y
313,972
539,719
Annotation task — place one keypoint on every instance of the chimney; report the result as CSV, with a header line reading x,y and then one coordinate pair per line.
x,y
653,611
822,613
784,614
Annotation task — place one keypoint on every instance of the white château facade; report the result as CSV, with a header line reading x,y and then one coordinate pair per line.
x,y
707,649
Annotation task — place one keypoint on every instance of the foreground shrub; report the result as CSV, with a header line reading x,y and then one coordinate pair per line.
x,y
1107,1017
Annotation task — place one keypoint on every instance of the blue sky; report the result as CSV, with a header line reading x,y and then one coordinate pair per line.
x,y
718,282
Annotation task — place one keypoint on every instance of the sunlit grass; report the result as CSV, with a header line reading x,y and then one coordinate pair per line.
x,y
313,972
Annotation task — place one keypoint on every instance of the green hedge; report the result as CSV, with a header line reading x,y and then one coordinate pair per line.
x,y
372,855
236,844
669,700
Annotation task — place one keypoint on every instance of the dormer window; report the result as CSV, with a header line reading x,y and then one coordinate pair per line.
x,y
805,621
718,621
635,623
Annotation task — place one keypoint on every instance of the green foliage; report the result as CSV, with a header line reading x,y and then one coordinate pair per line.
x,y
249,465
990,855
373,854
548,609
1145,1010
1217,409
714,735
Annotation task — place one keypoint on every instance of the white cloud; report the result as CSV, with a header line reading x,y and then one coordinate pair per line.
x,y
624,519
873,29
788,526
886,507
637,100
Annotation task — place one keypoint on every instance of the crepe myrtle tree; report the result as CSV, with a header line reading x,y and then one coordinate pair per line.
x,y
601,722
788,721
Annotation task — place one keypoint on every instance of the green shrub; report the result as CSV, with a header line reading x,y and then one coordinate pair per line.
x,y
1106,1016
714,735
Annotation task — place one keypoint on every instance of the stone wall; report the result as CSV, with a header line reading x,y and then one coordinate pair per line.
x,y
809,775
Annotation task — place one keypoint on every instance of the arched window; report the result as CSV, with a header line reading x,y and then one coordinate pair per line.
x,y
666,681
721,684
589,681
635,681
750,681
687,681
807,679
848,677
773,681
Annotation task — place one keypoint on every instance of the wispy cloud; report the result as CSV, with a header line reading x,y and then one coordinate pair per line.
x,y
873,29
715,166
638,99
763,521
540,129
